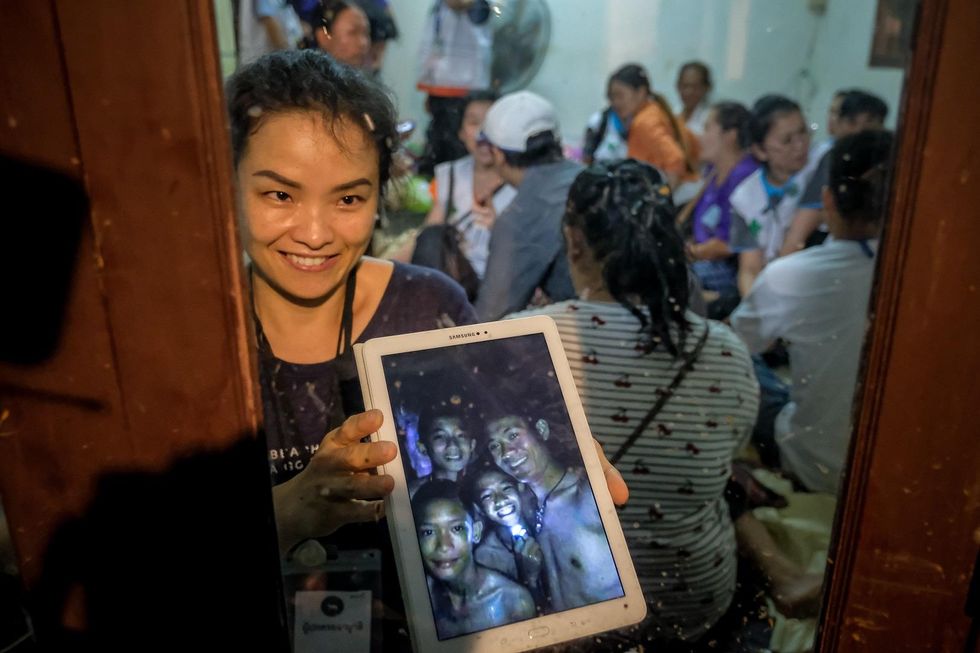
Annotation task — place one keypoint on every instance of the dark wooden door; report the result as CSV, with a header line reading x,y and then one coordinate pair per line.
x,y
129,466
909,528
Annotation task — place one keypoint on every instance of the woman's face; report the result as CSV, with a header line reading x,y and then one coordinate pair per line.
x,y
626,100
691,88
714,141
349,39
500,498
308,201
786,146
470,130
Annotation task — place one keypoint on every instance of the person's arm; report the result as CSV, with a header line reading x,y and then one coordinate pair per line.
x,y
713,249
275,32
760,318
336,488
437,214
809,213
751,260
805,222
750,264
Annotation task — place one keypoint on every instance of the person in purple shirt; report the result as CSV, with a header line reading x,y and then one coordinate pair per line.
x,y
714,262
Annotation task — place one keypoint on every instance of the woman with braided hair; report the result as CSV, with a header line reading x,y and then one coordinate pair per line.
x,y
670,395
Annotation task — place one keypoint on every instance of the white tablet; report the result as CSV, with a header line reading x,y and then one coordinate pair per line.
x,y
504,532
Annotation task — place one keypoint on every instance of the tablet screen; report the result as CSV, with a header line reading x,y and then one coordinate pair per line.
x,y
507,525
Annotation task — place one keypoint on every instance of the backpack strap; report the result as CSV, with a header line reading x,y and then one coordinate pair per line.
x,y
686,367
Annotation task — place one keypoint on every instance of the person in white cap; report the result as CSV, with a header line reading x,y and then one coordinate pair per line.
x,y
527,250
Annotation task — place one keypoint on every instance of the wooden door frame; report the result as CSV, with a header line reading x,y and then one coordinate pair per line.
x,y
899,571
134,481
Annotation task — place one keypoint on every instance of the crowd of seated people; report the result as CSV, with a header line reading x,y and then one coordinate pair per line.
x,y
722,204
609,251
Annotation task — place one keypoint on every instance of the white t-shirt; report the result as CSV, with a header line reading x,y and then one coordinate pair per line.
x,y
455,52
612,147
766,219
676,523
476,237
816,300
700,116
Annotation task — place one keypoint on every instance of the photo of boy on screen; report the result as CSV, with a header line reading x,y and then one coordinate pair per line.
x,y
445,437
509,544
578,565
466,596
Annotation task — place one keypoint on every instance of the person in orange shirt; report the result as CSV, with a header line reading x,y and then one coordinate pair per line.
x,y
655,135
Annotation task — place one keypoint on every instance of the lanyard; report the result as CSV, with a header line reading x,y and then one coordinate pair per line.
x,y
347,318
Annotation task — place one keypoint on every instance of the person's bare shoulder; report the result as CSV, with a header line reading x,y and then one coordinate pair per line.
x,y
515,597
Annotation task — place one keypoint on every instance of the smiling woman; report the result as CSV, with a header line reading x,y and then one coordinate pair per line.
x,y
309,219
312,145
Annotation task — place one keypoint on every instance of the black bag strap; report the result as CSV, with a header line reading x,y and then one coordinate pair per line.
x,y
686,367
450,206
594,138
347,317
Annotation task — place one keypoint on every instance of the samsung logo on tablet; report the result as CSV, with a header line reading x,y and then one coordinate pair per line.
x,y
457,336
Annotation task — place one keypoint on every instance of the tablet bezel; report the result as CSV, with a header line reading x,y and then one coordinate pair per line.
x,y
531,633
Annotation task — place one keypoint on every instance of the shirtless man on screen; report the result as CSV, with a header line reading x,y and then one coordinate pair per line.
x,y
578,565
466,596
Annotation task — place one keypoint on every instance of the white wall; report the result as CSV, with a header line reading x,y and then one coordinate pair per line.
x,y
752,46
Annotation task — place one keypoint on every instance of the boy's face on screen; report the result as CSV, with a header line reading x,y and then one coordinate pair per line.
x,y
448,444
515,448
499,498
447,534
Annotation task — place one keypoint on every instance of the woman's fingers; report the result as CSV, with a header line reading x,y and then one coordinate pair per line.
x,y
617,486
342,450
360,457
348,512
354,428
357,486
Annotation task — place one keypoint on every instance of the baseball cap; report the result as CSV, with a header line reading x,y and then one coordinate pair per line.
x,y
516,117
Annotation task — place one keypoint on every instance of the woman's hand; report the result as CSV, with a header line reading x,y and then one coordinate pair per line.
x,y
337,487
614,480
483,213
712,249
